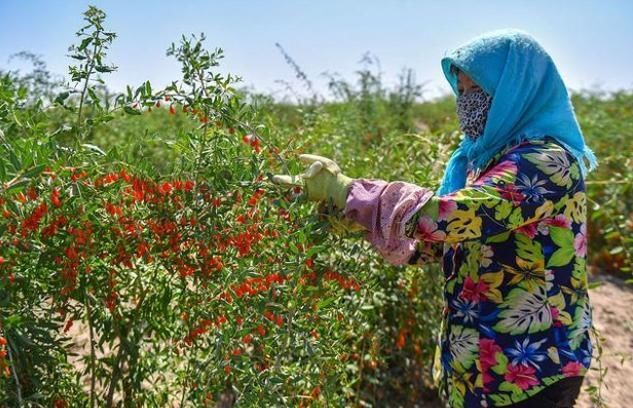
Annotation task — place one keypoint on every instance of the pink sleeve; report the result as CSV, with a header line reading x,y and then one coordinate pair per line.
x,y
383,208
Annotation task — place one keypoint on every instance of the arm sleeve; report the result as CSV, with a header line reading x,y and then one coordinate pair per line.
x,y
521,189
383,208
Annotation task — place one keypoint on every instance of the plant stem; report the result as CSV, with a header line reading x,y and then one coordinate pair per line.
x,y
116,371
18,390
597,397
360,370
85,87
184,386
93,355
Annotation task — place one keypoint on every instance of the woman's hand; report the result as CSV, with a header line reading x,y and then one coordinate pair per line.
x,y
322,181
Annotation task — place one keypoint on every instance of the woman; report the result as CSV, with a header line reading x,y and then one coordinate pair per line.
x,y
508,222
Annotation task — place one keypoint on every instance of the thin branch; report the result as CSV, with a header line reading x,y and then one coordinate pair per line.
x,y
18,390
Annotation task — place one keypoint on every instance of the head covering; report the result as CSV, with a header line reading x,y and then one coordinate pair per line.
x,y
529,101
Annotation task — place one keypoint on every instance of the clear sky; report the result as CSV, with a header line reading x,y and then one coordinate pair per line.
x,y
590,41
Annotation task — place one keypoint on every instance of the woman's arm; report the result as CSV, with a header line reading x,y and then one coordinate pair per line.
x,y
523,188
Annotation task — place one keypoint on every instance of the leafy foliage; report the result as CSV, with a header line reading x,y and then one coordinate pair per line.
x,y
145,259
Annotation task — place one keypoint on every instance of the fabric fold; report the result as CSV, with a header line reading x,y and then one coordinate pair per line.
x,y
383,209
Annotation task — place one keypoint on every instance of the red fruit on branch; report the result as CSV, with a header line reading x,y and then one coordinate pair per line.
x,y
125,176
256,197
113,210
60,403
401,339
269,315
32,193
165,188
33,221
55,194
253,141
68,325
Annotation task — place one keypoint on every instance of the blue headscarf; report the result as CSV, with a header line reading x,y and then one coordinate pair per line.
x,y
529,101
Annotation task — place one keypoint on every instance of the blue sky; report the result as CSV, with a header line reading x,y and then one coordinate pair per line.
x,y
590,41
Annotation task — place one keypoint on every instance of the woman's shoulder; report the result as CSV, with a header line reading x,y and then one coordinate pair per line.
x,y
546,149
546,155
547,143
546,160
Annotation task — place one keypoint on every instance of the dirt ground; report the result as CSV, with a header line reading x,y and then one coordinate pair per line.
x,y
613,317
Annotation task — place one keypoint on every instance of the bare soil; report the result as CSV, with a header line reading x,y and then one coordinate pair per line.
x,y
613,317
612,303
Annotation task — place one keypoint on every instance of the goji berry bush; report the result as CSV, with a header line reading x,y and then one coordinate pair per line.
x,y
189,277
147,260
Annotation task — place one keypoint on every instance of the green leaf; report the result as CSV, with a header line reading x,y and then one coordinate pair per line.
x,y
325,302
595,284
104,69
94,148
516,218
561,257
93,95
526,248
502,364
147,89
131,111
551,380
503,210
499,237
574,171
501,399
85,43
563,238
35,171
509,387
62,97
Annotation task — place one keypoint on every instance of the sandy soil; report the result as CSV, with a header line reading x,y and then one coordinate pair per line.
x,y
613,317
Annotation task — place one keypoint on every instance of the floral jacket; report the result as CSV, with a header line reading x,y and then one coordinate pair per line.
x,y
513,246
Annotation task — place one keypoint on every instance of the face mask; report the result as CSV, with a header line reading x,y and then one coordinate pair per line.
x,y
472,111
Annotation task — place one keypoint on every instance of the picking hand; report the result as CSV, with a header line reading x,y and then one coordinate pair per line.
x,y
322,180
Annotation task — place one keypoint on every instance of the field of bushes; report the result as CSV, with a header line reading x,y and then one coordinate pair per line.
x,y
145,222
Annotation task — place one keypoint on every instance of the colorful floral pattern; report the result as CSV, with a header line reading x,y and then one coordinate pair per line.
x,y
514,247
